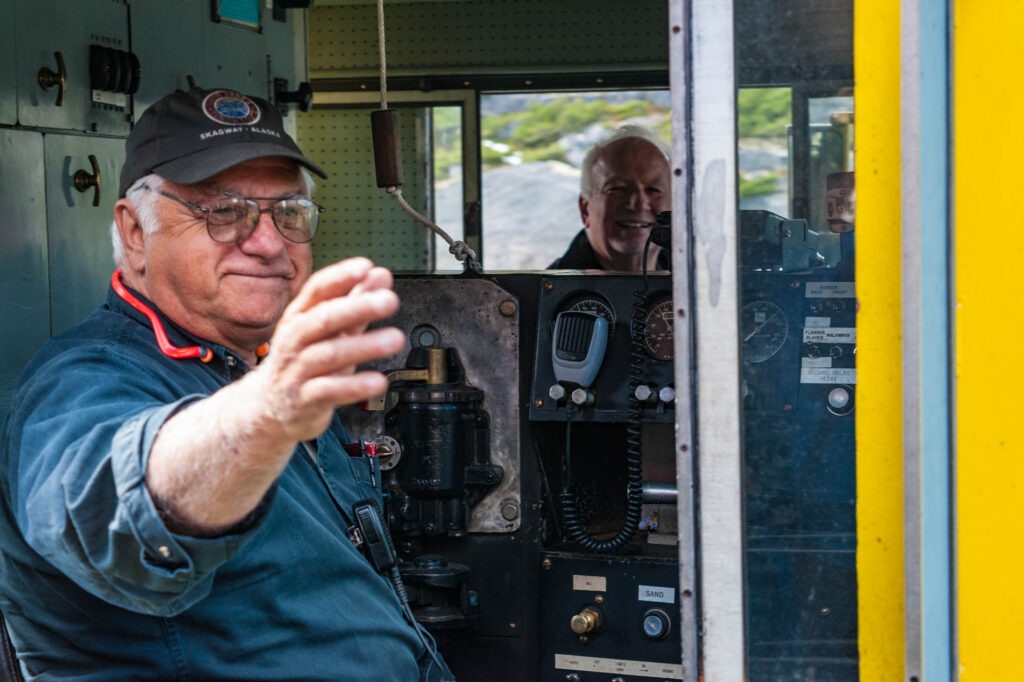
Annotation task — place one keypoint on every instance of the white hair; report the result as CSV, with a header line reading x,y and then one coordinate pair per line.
x,y
145,208
627,132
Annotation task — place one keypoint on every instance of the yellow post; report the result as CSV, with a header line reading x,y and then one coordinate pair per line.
x,y
879,412
989,250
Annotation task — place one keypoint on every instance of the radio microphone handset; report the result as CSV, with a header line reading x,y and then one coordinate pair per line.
x,y
577,347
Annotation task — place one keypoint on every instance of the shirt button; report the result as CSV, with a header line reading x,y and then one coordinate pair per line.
x,y
231,361
165,551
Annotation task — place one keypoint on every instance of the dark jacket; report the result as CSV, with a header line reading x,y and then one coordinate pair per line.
x,y
93,584
580,256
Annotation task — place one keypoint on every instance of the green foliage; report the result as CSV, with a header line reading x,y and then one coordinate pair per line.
x,y
535,132
447,140
490,158
752,187
763,112
550,152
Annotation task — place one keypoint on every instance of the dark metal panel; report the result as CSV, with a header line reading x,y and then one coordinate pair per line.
x,y
481,321
24,310
45,27
8,91
169,44
79,236
235,57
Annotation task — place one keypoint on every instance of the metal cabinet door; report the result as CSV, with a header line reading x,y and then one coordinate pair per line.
x,y
8,92
24,278
79,233
46,27
168,39
236,58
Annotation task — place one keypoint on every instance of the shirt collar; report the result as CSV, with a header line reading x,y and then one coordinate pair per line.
x,y
176,335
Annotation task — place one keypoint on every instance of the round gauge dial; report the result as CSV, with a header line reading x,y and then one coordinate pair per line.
x,y
658,326
597,306
764,328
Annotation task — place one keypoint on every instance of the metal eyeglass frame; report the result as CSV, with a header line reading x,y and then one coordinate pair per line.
x,y
251,201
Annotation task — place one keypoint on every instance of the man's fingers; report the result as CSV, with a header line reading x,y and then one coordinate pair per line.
x,y
376,278
333,281
344,390
344,353
349,314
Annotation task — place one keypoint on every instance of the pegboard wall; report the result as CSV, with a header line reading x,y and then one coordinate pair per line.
x,y
362,219
501,36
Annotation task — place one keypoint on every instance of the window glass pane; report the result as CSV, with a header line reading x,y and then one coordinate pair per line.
x,y
446,139
798,348
532,147
764,116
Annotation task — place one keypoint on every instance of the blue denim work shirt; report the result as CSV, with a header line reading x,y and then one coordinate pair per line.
x,y
94,586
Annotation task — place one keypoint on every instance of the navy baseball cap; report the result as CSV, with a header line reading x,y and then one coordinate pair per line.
x,y
189,136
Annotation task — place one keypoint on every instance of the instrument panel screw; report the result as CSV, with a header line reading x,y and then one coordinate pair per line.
x,y
539,402
546,563
507,308
548,286
599,599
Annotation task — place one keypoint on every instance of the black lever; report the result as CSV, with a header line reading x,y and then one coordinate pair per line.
x,y
302,96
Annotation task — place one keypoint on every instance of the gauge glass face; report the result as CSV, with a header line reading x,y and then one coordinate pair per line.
x,y
658,326
764,328
595,306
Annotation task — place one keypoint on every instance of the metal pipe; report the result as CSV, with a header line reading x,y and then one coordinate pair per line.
x,y
659,493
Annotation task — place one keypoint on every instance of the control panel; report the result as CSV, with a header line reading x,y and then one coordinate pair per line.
x,y
612,619
631,322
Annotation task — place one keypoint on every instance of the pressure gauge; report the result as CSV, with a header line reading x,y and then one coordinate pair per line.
x,y
658,334
591,303
764,328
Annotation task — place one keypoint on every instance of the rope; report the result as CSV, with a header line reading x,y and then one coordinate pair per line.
x,y
383,63
457,248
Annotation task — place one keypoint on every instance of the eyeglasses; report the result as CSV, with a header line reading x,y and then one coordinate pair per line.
x,y
233,219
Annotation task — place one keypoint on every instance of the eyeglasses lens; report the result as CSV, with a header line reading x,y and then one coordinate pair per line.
x,y
232,219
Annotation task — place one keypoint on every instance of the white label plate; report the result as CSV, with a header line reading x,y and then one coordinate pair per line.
x,y
828,375
590,583
830,335
817,321
815,362
618,666
664,595
118,99
830,290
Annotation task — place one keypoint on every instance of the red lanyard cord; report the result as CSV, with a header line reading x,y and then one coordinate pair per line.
x,y
204,354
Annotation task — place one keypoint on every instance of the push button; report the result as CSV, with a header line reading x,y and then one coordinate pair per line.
x,y
656,624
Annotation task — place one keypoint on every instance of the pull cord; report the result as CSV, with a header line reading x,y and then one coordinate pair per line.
x,y
459,249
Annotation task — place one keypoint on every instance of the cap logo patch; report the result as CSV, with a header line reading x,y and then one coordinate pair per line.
x,y
230,108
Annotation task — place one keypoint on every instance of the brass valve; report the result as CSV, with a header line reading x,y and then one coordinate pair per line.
x,y
587,620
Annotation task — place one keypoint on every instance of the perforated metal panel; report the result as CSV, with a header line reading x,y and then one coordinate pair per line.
x,y
362,220
496,35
